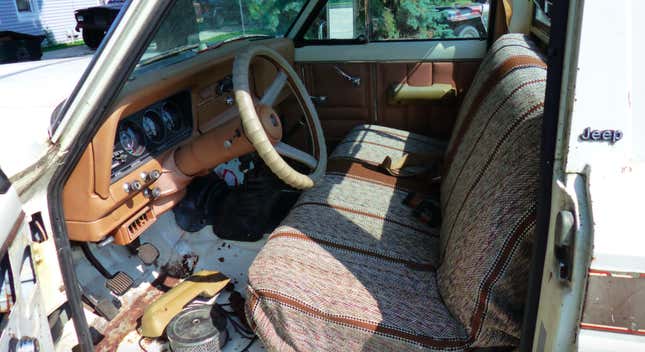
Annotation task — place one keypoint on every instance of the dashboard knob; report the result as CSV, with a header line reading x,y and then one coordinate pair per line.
x,y
152,193
144,176
154,175
135,186
126,187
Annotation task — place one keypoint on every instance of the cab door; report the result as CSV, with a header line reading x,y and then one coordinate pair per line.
x,y
23,320
396,64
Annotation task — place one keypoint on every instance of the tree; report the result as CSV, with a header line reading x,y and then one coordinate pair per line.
x,y
409,19
273,16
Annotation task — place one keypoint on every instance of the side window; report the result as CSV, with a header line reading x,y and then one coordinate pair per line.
x,y
24,5
339,19
401,20
429,19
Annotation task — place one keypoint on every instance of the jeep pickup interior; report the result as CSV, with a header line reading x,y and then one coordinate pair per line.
x,y
340,181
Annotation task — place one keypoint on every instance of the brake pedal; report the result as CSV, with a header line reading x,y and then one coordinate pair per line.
x,y
148,253
119,283
107,307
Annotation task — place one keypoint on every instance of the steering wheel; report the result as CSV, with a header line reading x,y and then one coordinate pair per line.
x,y
272,152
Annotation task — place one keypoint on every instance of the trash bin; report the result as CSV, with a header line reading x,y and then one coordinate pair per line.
x,y
15,47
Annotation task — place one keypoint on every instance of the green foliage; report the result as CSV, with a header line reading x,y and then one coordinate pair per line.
x,y
273,15
409,19
390,19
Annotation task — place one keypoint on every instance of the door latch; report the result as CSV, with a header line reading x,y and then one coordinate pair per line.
x,y
564,243
318,99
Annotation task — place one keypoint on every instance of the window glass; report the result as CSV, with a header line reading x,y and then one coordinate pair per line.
x,y
428,19
339,19
23,5
401,20
195,25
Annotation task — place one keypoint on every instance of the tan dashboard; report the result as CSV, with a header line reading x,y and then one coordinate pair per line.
x,y
97,206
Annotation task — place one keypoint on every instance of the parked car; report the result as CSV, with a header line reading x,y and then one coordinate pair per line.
x,y
175,191
94,22
467,21
15,47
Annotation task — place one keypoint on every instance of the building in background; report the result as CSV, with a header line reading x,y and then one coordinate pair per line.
x,y
52,18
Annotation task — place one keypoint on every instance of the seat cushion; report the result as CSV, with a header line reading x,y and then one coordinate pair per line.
x,y
372,143
308,296
370,219
361,152
332,275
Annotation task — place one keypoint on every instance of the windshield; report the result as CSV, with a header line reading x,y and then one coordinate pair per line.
x,y
195,25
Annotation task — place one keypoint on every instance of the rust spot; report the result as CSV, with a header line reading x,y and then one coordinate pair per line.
x,y
127,320
170,281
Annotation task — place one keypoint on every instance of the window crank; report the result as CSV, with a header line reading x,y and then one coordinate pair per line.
x,y
356,81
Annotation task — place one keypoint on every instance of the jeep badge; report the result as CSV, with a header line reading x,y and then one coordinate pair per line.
x,y
611,136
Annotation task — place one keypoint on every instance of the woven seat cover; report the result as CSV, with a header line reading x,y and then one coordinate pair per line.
x,y
351,269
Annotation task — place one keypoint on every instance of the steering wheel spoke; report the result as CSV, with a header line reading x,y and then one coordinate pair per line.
x,y
273,92
296,154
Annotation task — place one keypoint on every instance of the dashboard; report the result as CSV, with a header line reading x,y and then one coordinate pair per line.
x,y
149,132
182,116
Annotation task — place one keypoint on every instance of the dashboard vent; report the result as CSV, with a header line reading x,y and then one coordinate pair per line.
x,y
135,226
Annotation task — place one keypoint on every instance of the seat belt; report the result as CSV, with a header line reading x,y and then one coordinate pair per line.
x,y
410,165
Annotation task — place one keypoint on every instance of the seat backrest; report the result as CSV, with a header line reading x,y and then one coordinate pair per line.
x,y
489,192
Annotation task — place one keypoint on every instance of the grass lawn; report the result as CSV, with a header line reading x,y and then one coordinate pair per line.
x,y
63,46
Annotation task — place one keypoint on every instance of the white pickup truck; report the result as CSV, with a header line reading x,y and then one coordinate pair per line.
x,y
480,193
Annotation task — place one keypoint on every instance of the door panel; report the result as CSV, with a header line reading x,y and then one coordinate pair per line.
x,y
431,118
347,105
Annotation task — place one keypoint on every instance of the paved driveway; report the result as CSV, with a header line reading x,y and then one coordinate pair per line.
x,y
80,50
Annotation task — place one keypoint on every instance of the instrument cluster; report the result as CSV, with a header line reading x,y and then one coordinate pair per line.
x,y
150,132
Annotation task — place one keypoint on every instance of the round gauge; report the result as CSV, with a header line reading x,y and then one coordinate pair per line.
x,y
153,126
132,139
171,116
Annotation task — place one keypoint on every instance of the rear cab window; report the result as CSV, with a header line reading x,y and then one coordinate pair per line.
x,y
382,20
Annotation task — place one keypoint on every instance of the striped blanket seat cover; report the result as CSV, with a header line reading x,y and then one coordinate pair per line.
x,y
350,268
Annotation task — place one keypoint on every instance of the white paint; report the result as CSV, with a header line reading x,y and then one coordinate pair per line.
x,y
598,341
608,93
29,93
404,51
